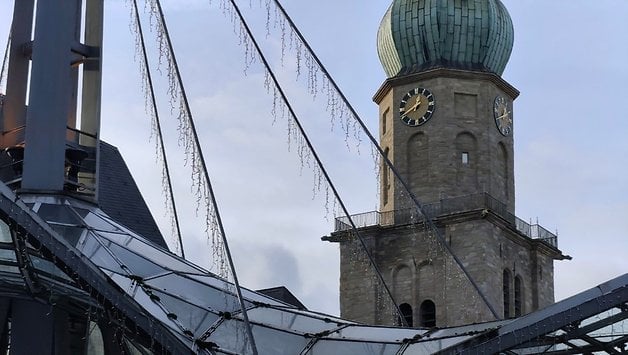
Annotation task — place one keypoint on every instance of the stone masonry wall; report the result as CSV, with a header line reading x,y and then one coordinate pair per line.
x,y
419,269
429,156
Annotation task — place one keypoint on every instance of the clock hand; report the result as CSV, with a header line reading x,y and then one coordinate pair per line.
x,y
413,108
502,116
417,104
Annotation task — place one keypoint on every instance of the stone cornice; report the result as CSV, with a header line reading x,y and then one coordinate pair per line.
x,y
449,219
446,73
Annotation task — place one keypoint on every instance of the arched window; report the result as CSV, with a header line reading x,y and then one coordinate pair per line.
x,y
406,312
502,169
518,297
385,120
418,158
506,288
385,178
428,314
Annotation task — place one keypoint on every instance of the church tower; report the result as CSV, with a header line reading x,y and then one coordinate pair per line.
x,y
446,123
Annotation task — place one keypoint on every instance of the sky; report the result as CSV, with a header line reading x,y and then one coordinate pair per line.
x,y
571,151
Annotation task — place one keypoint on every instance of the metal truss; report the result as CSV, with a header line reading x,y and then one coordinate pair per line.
x,y
591,322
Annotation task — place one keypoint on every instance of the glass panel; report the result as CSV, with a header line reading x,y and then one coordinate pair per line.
x,y
70,234
247,294
98,255
7,255
472,328
150,252
125,283
9,269
68,289
120,237
272,341
193,318
323,317
110,220
81,211
150,306
428,347
327,347
59,214
5,233
136,264
196,293
288,320
382,334
49,267
231,336
98,223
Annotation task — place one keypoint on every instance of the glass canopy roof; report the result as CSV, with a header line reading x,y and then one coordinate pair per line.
x,y
200,311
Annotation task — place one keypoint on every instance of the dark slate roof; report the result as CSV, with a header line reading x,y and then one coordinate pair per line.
x,y
283,294
120,197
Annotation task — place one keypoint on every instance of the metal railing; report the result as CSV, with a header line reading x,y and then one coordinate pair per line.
x,y
80,162
448,206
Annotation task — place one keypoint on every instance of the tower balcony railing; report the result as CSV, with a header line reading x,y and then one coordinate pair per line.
x,y
80,162
481,201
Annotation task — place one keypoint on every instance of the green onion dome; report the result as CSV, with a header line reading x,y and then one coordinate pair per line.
x,y
416,35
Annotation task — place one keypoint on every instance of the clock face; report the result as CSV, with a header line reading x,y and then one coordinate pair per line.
x,y
502,111
416,107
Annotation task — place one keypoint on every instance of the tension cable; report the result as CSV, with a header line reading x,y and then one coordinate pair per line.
x,y
316,158
149,82
205,172
429,222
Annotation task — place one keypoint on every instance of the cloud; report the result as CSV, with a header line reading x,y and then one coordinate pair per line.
x,y
570,152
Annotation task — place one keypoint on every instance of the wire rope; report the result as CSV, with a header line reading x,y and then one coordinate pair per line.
x,y
389,164
206,177
155,110
5,59
317,158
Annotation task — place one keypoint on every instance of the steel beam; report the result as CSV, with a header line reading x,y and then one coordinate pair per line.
x,y
66,257
602,298
50,97
14,108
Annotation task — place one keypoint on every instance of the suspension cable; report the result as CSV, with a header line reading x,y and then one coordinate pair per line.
x,y
428,219
5,59
317,159
149,79
212,197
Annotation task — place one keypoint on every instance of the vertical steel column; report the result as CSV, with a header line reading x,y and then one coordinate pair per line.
x,y
14,109
92,81
75,7
92,72
50,93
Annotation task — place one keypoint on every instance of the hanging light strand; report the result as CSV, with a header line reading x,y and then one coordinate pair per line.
x,y
198,164
5,61
382,156
307,148
156,122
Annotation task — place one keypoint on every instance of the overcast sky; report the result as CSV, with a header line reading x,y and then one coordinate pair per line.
x,y
571,150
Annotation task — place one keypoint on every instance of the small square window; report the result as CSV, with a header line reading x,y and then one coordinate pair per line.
x,y
465,158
